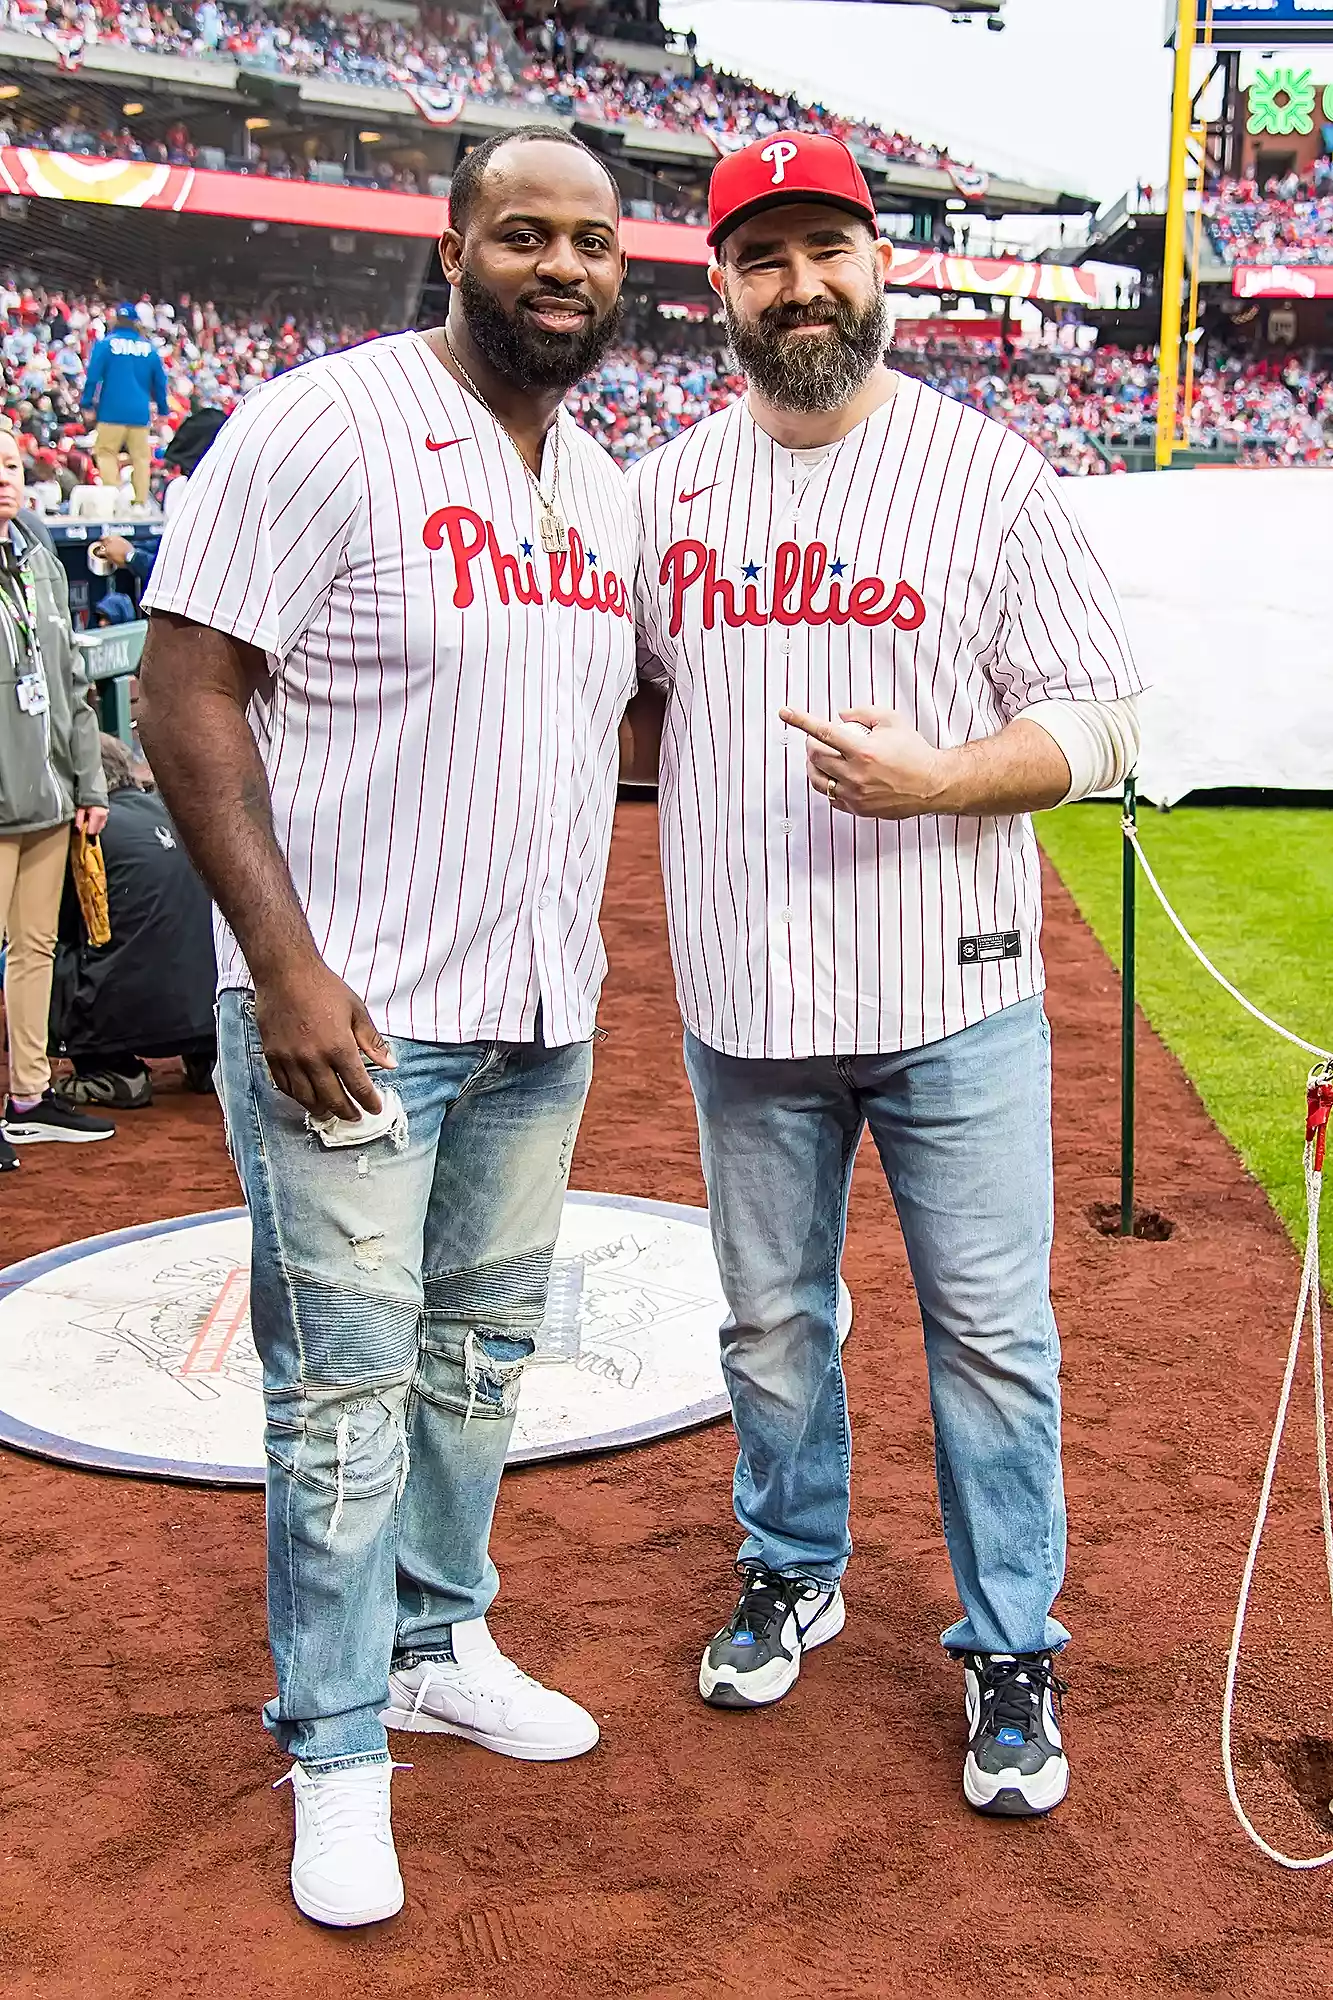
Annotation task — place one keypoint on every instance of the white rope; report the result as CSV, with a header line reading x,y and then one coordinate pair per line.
x,y
1309,1300
1309,1297
1311,1048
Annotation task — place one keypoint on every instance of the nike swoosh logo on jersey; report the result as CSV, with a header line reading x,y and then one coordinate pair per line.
x,y
684,499
442,444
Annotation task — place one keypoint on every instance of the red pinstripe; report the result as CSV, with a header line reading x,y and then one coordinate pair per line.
x,y
1017,611
433,769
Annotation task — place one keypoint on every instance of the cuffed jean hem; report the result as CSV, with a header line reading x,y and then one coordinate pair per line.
x,y
322,1743
318,1767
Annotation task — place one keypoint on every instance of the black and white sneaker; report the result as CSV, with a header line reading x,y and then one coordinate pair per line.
x,y
1016,1765
110,1088
9,1159
52,1119
756,1658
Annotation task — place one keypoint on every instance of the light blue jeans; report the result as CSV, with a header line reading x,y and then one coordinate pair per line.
x,y
963,1129
397,1288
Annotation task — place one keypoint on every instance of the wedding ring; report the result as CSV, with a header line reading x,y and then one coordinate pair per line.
x,y
832,791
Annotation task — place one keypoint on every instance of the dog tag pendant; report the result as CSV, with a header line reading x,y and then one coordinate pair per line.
x,y
551,531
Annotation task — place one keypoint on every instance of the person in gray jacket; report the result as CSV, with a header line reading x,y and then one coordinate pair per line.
x,y
50,777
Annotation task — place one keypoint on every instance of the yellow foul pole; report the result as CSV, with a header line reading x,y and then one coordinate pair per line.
x,y
1173,274
1199,140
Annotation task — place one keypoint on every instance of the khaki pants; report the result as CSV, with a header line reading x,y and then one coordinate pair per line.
x,y
110,441
32,877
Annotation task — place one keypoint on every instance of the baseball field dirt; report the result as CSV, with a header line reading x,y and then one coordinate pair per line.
x,y
819,1849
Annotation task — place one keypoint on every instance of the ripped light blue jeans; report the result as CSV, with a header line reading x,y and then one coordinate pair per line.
x,y
963,1129
397,1289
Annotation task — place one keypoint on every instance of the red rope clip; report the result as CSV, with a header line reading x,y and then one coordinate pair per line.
x,y
1318,1106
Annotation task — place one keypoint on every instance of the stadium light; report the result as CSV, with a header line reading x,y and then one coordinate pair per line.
x,y
130,110
10,90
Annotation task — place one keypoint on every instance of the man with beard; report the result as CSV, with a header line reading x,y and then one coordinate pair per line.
x,y
849,561
391,643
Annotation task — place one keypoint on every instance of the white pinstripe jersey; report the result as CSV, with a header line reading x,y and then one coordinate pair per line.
x,y
441,738
927,564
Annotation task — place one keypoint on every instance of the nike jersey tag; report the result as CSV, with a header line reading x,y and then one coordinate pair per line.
x,y
989,946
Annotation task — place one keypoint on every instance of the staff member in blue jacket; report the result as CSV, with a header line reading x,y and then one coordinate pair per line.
x,y
125,381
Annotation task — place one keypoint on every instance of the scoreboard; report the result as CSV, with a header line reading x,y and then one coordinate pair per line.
x,y
1259,24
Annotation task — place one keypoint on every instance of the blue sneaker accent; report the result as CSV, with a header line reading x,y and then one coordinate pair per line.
x,y
1009,1736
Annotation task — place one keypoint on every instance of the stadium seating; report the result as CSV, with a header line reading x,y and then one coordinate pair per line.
x,y
558,70
1081,410
1289,222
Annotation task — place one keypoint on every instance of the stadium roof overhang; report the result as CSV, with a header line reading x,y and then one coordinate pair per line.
x,y
136,185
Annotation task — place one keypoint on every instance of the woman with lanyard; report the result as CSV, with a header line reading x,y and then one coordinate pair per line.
x,y
50,775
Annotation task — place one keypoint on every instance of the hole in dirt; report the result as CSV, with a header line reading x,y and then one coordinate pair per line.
x,y
1150,1225
1302,1765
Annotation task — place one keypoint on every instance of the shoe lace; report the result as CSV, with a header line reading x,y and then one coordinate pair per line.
x,y
1013,1689
503,1679
341,1805
766,1598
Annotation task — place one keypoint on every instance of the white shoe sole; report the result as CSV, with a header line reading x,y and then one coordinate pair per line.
x,y
779,1677
344,1920
418,1723
1009,1794
19,1134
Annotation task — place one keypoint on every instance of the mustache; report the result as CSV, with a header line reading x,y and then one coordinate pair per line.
x,y
564,295
779,318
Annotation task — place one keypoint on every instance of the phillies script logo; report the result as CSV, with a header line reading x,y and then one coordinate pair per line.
x,y
798,579
575,577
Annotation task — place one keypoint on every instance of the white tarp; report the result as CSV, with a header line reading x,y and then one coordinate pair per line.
x,y
1226,579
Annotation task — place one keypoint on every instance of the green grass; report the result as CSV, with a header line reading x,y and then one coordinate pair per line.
x,y
1254,887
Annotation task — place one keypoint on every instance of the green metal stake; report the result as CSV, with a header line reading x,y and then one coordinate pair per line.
x,y
1128,885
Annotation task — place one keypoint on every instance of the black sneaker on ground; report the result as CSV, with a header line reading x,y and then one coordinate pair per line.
x,y
199,1074
50,1119
9,1159
108,1087
756,1658
1016,1765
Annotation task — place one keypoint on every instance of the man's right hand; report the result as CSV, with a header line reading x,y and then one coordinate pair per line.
x,y
315,1033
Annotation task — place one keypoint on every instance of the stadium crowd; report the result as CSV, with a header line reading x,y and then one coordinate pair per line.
x,y
1081,410
1288,221
80,135
557,68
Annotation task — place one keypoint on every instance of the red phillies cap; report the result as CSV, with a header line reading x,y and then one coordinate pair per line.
x,y
791,166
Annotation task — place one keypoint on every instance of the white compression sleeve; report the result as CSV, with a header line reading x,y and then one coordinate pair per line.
x,y
1100,740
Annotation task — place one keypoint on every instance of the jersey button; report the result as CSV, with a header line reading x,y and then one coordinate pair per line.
x,y
545,900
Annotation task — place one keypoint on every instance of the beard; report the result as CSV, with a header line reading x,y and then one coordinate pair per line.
x,y
809,372
530,356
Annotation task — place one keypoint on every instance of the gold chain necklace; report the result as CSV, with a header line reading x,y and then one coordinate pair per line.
x,y
551,529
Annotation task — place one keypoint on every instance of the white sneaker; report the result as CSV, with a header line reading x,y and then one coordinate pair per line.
x,y
344,1869
481,1695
